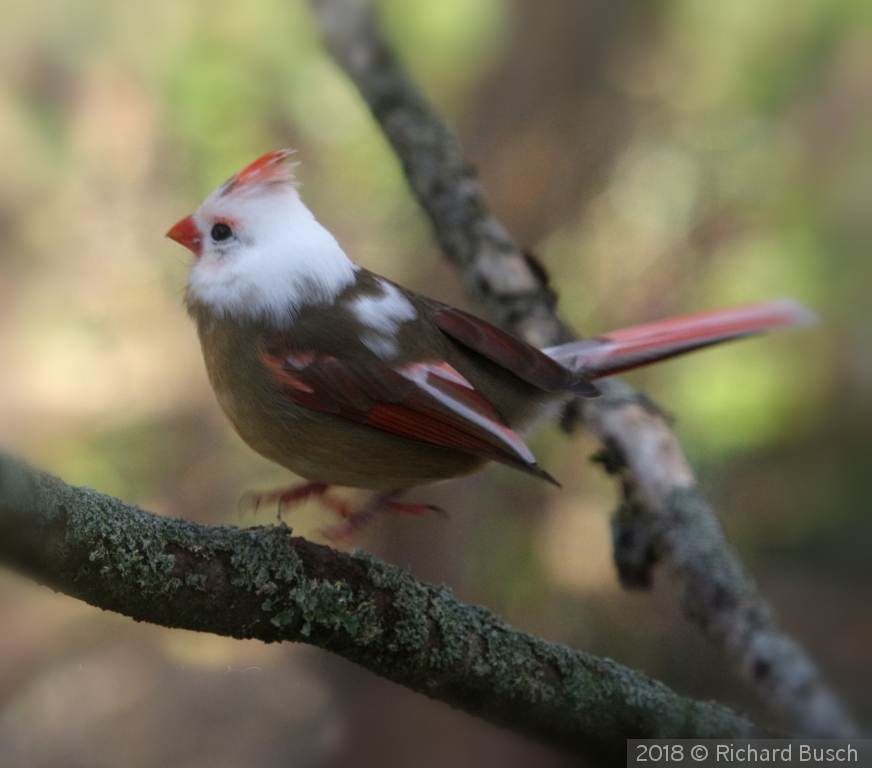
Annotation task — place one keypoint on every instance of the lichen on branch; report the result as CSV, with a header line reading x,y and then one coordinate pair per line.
x,y
268,584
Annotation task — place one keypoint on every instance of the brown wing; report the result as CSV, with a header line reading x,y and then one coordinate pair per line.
x,y
426,401
525,361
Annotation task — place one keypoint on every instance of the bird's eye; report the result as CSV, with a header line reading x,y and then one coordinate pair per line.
x,y
221,231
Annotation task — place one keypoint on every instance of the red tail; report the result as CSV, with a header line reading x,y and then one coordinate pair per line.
x,y
643,344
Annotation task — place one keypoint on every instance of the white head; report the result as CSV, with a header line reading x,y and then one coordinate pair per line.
x,y
259,251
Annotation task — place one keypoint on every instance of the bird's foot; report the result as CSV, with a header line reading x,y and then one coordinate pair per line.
x,y
354,521
297,494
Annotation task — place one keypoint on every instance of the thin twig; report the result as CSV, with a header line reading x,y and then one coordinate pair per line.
x,y
672,523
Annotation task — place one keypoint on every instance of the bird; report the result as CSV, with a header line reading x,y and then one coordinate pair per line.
x,y
349,379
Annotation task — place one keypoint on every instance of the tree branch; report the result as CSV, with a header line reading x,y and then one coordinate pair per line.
x,y
664,517
265,583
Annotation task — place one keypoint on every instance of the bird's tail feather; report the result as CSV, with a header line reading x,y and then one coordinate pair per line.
x,y
642,344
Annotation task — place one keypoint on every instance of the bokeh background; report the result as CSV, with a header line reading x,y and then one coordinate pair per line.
x,y
659,157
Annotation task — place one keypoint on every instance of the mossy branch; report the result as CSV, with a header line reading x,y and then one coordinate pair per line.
x,y
266,583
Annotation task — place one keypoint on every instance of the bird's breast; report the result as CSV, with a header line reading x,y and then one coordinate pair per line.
x,y
318,446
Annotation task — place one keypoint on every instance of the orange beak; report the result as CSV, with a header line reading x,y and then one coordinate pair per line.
x,y
186,233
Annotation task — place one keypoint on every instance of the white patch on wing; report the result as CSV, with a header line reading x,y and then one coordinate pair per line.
x,y
279,259
445,371
384,312
420,372
385,348
382,315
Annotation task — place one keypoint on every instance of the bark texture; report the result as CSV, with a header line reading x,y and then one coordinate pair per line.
x,y
266,583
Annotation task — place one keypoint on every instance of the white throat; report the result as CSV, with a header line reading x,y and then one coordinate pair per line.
x,y
279,259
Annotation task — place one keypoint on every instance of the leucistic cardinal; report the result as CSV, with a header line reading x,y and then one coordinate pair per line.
x,y
348,379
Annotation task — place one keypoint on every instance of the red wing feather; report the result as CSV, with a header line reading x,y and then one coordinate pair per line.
x,y
428,402
428,427
525,361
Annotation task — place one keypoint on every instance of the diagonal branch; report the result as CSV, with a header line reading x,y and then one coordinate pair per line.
x,y
265,583
664,518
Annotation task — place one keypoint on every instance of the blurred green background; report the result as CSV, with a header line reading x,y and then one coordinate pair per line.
x,y
659,157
